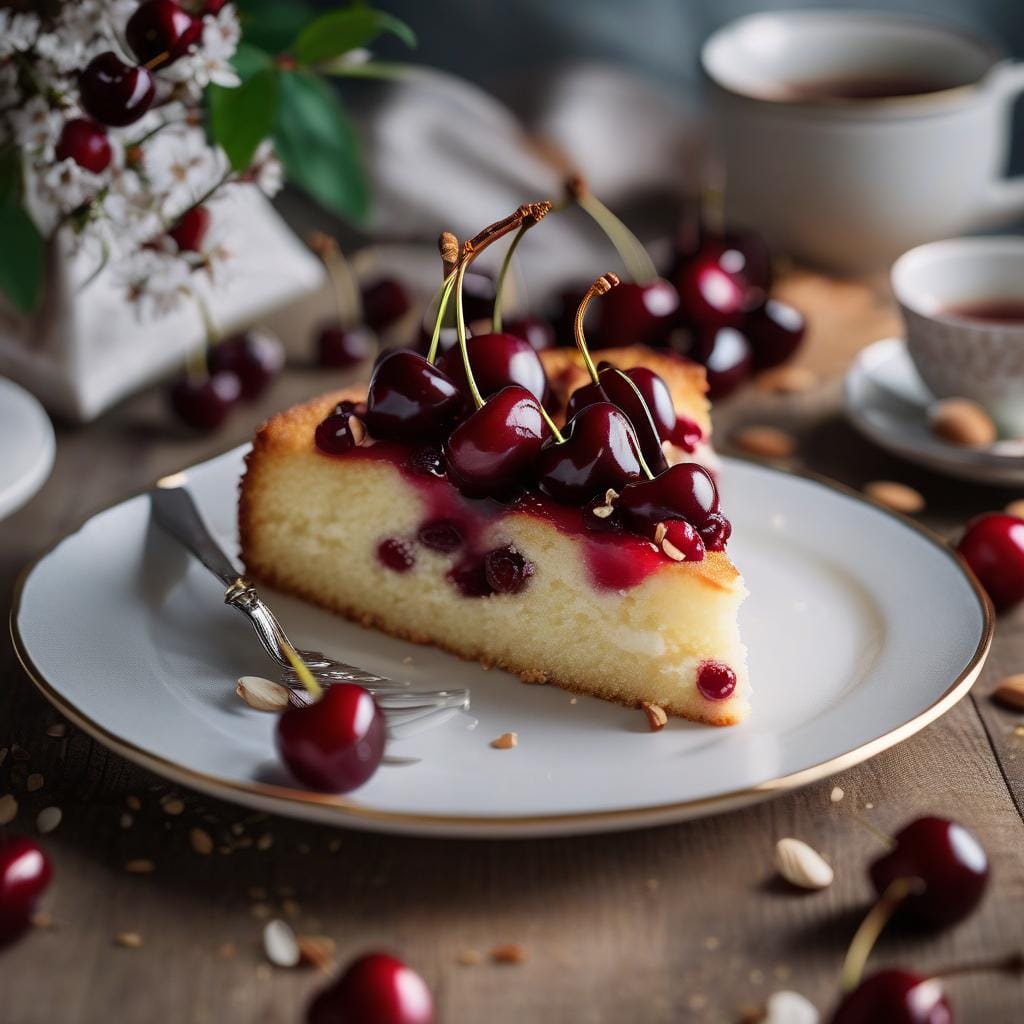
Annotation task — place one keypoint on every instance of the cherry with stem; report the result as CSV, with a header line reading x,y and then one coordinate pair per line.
x,y
344,342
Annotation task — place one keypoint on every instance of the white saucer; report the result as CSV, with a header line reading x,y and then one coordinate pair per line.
x,y
27,446
886,401
862,628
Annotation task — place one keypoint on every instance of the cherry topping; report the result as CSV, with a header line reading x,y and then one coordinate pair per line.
x,y
385,302
683,491
24,873
713,290
685,539
600,451
396,554
343,346
191,228
204,402
775,332
441,535
113,92
641,314
159,32
335,744
86,143
716,532
497,360
947,858
335,436
427,460
686,434
256,357
895,997
496,448
993,546
469,577
624,391
715,680
538,332
375,989
507,570
727,359
409,399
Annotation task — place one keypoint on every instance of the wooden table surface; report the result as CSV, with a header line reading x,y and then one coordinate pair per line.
x,y
671,924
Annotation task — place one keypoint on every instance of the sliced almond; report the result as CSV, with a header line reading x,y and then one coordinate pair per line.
x,y
899,497
201,841
34,782
1010,692
48,819
660,532
788,380
280,944
767,442
355,424
8,809
506,741
509,953
802,866
317,951
129,940
656,717
962,422
672,551
470,957
262,694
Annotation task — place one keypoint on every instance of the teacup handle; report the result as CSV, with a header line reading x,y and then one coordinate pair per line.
x,y
1005,196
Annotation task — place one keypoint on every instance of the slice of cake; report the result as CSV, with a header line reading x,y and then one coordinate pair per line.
x,y
544,550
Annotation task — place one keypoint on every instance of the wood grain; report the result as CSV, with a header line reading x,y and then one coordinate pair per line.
x,y
673,924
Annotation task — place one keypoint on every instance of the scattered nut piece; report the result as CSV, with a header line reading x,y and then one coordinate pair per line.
x,y
8,809
280,944
788,380
262,694
1015,508
534,677
672,551
767,442
470,957
836,795
201,841
42,919
899,497
962,422
227,951
140,866
48,819
509,953
603,511
129,940
506,741
316,951
656,717
34,782
174,806
660,532
57,731
265,842
355,424
1010,692
133,802
802,866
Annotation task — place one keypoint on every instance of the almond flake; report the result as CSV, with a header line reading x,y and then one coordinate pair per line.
x,y
316,951
129,940
262,694
42,919
802,866
506,741
48,819
962,422
140,866
660,532
1010,692
355,425
8,809
470,957
836,795
280,944
200,841
57,731
603,511
34,782
509,953
656,717
899,497
767,442
672,551
173,806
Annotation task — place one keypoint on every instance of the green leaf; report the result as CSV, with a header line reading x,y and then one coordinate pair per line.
x,y
21,256
240,119
337,32
318,146
249,59
273,24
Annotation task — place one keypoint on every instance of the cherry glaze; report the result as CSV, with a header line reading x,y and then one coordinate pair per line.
x,y
715,681
115,93
159,32
396,554
86,143
993,546
25,872
375,989
895,997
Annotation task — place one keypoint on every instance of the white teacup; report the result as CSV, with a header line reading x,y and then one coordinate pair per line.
x,y
958,354
848,137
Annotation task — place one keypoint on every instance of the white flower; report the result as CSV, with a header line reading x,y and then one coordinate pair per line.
x,y
266,171
68,186
66,51
181,166
17,31
36,127
156,281
221,33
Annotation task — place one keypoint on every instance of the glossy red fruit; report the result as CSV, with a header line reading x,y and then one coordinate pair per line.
x,y
25,872
115,93
727,360
385,301
204,402
409,399
86,143
715,681
375,989
895,997
338,346
624,390
686,434
993,545
335,744
495,449
775,332
538,332
641,314
255,357
335,435
600,451
712,289
191,229
507,570
947,858
683,491
497,360
158,28
685,539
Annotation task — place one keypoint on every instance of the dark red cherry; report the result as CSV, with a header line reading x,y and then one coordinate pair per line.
x,y
469,577
634,313
204,402
716,532
24,873
715,681
683,491
507,570
564,315
160,27
191,229
656,395
410,400
427,460
712,289
375,989
538,332
947,858
496,448
443,535
115,93
335,435
385,301
685,540
686,434
728,360
895,997
497,360
334,744
86,143
255,356
338,346
993,546
584,395
396,554
623,390
600,451
775,332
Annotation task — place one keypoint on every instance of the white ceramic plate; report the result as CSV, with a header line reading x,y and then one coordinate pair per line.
x,y
861,630
27,447
886,401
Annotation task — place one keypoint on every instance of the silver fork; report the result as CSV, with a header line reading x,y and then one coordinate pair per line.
x,y
406,711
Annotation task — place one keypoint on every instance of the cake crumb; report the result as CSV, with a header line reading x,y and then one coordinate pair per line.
x,y
573,700
836,795
509,953
506,741
657,719
534,676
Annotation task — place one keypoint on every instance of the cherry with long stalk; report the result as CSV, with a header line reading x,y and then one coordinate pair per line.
x,y
343,341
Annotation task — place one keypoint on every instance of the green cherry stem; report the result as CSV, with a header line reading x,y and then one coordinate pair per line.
x,y
197,364
460,328
448,246
343,283
313,688
499,292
